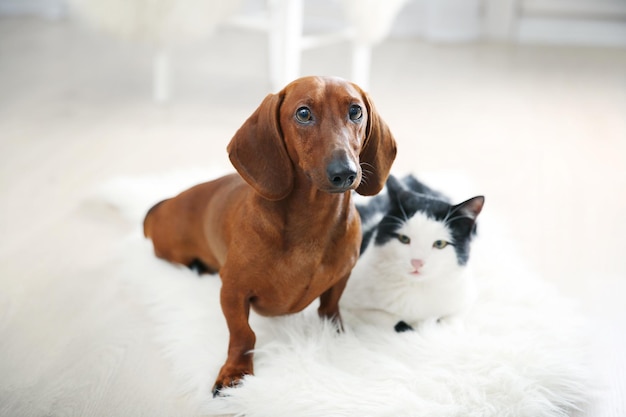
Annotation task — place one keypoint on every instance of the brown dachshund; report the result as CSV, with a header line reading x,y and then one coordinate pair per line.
x,y
283,231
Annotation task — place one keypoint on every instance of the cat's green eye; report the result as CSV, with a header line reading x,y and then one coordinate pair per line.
x,y
440,244
404,239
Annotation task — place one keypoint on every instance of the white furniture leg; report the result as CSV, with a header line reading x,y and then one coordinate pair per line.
x,y
500,19
361,61
162,78
285,40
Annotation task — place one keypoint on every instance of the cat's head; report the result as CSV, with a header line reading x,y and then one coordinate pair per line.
x,y
426,234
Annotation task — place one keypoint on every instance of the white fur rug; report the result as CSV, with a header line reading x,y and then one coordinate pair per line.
x,y
518,352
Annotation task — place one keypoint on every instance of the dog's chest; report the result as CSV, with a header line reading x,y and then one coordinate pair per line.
x,y
301,274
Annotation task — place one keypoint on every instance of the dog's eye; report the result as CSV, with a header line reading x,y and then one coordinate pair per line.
x,y
404,239
355,112
303,115
440,244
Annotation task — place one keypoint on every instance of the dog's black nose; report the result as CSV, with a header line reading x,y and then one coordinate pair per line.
x,y
341,173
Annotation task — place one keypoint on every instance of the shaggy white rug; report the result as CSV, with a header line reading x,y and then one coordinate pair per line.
x,y
520,351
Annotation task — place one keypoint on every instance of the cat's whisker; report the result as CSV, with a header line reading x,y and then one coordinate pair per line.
x,y
399,219
389,223
452,211
393,220
406,217
448,220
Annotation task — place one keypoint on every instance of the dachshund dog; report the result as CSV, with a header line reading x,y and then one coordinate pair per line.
x,y
284,230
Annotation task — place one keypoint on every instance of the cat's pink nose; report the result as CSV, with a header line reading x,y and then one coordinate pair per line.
x,y
417,264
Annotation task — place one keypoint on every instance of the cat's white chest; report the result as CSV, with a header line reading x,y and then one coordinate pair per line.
x,y
398,296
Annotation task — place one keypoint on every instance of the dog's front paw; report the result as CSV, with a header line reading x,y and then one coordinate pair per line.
x,y
229,378
219,387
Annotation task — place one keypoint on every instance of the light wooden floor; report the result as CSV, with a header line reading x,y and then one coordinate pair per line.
x,y
541,131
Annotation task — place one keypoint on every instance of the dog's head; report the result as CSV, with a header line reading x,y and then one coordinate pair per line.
x,y
325,127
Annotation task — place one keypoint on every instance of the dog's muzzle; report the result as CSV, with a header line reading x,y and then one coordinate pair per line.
x,y
341,174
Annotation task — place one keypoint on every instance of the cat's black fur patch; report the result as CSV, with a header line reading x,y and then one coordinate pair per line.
x,y
375,207
367,237
402,326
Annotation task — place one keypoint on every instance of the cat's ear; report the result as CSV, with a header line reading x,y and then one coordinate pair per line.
x,y
472,207
412,183
394,186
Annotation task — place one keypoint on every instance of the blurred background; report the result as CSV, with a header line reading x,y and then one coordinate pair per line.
x,y
525,100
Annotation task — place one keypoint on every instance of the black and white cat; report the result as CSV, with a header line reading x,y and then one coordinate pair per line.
x,y
414,256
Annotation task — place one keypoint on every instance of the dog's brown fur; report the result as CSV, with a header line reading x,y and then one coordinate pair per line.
x,y
284,230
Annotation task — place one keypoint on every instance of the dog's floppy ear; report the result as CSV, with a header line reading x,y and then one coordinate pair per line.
x,y
377,153
258,151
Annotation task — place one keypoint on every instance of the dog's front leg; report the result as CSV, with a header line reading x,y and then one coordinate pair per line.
x,y
236,308
329,302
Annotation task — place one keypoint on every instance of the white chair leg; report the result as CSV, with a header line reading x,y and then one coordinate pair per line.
x,y
285,40
275,42
500,19
361,62
161,80
293,38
